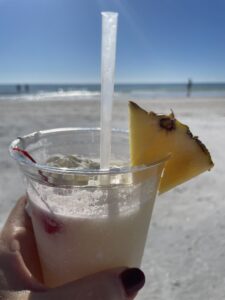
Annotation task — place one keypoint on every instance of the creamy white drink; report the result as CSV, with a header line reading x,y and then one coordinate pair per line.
x,y
85,219
80,231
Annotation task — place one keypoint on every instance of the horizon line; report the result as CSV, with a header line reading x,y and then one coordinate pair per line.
x,y
116,83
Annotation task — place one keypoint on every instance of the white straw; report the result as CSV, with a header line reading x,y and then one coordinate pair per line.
x,y
109,32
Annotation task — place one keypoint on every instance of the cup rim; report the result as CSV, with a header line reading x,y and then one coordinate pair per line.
x,y
34,136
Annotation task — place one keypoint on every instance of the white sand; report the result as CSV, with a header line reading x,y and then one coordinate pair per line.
x,y
185,253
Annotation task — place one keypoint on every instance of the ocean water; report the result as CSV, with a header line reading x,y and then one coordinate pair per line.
x,y
47,92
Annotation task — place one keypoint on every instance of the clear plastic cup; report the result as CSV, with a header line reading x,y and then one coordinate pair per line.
x,y
86,220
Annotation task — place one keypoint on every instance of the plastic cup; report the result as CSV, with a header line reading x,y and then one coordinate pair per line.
x,y
81,226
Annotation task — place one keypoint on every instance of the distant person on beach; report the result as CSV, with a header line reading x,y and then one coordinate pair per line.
x,y
18,88
26,88
189,88
20,271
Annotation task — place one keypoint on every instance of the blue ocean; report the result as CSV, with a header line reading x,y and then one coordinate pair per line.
x,y
49,92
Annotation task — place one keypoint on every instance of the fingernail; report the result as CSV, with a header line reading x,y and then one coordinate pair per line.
x,y
133,280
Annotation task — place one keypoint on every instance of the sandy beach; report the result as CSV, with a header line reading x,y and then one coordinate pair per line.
x,y
185,253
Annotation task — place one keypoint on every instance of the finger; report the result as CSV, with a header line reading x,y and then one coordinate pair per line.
x,y
117,284
14,275
19,242
17,216
18,224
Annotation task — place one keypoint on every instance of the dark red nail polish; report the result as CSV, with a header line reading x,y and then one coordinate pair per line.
x,y
133,280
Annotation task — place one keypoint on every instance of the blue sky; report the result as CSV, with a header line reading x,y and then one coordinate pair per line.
x,y
58,41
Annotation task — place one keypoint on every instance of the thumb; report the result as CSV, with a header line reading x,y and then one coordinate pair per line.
x,y
119,284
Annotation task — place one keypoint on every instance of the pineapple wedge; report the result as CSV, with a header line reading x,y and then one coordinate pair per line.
x,y
153,136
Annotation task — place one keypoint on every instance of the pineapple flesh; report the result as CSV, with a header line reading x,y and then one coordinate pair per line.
x,y
153,137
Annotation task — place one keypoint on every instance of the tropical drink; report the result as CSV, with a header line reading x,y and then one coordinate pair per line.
x,y
86,219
